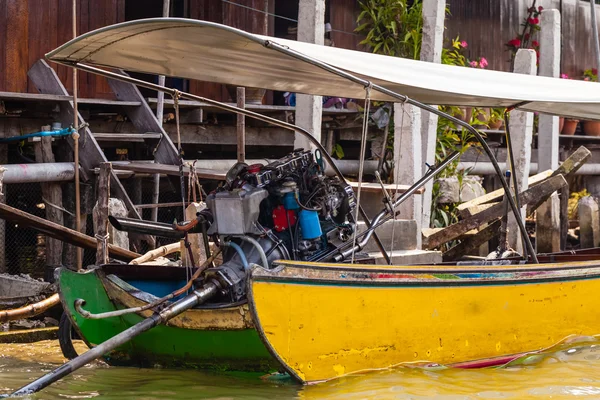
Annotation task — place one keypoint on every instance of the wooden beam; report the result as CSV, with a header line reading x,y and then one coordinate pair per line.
x,y
125,137
571,165
91,155
60,232
170,170
473,242
145,121
227,135
532,195
57,97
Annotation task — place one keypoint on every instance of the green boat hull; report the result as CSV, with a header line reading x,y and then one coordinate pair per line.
x,y
170,346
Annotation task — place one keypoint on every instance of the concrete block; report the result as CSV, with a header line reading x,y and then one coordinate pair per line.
x,y
589,222
452,192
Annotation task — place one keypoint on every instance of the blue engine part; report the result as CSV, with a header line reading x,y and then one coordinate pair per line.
x,y
289,201
310,225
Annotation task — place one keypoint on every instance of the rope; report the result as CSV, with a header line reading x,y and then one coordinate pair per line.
x,y
396,173
55,206
363,148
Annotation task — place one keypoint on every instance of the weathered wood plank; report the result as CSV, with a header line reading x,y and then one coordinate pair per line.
x,y
17,33
473,242
91,155
60,232
171,170
103,199
56,97
533,194
52,196
571,165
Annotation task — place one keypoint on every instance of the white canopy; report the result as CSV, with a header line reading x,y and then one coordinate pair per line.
x,y
216,53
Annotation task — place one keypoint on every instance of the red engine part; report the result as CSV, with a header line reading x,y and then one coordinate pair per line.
x,y
254,168
280,220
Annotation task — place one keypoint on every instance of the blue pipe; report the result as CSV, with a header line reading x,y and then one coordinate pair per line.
x,y
61,132
240,252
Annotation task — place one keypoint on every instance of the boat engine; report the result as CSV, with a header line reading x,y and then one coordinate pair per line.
x,y
287,209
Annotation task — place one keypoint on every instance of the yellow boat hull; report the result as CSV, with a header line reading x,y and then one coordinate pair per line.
x,y
326,321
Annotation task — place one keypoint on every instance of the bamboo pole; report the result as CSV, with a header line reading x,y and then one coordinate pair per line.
x,y
159,252
159,116
31,310
76,145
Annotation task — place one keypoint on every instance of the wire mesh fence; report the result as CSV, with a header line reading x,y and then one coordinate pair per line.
x,y
25,248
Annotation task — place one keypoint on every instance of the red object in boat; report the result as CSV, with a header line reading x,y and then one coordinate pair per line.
x,y
254,168
280,220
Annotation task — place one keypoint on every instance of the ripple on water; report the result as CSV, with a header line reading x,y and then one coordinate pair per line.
x,y
570,369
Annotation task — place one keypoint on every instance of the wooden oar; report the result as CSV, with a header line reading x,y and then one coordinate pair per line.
x,y
196,297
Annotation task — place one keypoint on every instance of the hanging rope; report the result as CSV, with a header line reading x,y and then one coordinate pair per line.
x,y
396,174
361,165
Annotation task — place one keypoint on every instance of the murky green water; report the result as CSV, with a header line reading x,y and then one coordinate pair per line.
x,y
567,371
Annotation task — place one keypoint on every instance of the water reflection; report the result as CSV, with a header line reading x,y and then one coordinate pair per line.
x,y
571,369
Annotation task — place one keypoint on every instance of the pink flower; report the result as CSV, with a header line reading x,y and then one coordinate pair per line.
x,y
473,64
564,76
540,8
483,62
463,44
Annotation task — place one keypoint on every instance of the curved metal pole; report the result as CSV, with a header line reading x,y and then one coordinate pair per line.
x,y
236,110
434,110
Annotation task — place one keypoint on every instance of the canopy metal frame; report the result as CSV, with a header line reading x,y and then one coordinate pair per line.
x,y
366,83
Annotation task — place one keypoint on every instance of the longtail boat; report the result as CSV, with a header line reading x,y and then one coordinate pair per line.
x,y
290,293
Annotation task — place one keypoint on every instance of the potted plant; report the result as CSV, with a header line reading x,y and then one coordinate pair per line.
x,y
591,128
496,119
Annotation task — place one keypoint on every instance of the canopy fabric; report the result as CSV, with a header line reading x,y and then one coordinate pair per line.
x,y
212,52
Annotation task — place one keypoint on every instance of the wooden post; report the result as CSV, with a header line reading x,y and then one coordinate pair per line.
x,y
103,198
589,222
52,198
241,126
3,160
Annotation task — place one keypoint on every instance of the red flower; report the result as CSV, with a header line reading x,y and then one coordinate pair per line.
x,y
594,71
527,36
540,8
533,21
535,43
515,42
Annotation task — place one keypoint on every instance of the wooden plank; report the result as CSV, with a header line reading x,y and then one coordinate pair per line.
x,y
17,32
227,135
91,155
3,34
531,195
60,232
125,137
145,121
170,170
472,243
52,197
497,195
568,167
102,210
370,187
55,97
